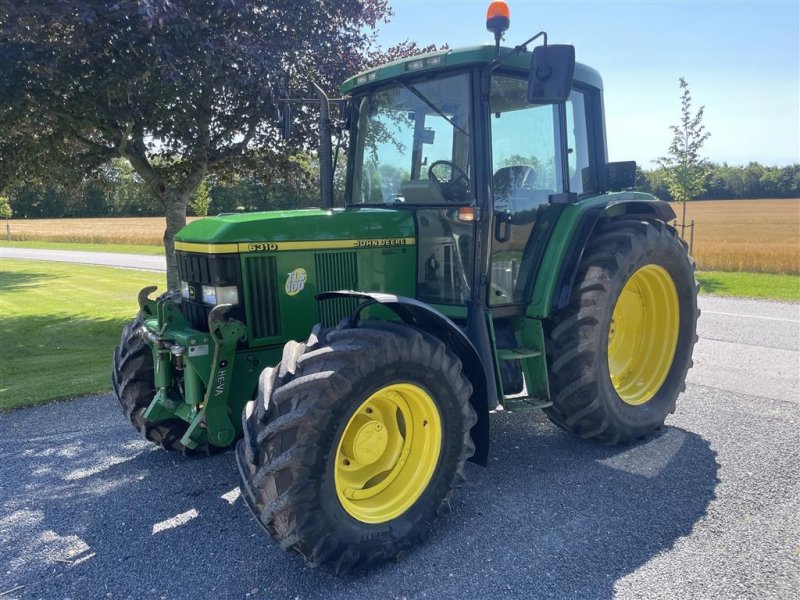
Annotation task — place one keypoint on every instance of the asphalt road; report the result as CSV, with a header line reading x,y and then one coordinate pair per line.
x,y
108,259
709,507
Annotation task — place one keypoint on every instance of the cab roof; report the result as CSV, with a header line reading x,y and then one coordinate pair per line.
x,y
449,59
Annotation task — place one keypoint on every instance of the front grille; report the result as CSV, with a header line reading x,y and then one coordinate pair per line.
x,y
262,299
207,269
336,271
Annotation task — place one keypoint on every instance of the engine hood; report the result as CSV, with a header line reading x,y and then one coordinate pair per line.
x,y
242,232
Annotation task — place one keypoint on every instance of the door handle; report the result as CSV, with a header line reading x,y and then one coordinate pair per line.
x,y
502,226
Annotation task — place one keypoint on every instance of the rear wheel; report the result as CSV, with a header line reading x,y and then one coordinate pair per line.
x,y
618,354
355,443
133,382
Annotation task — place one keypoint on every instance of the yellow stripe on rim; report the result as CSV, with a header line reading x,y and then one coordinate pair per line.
x,y
388,453
643,335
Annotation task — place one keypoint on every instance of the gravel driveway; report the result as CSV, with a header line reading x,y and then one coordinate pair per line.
x,y
709,507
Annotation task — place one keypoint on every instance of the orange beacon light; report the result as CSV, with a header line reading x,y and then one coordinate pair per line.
x,y
498,18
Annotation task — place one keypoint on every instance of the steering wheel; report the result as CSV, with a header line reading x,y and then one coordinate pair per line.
x,y
454,169
454,188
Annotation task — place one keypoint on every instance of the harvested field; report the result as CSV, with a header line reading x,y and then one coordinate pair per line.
x,y
756,236
133,230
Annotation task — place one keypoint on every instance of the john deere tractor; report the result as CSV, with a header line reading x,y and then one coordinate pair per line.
x,y
488,255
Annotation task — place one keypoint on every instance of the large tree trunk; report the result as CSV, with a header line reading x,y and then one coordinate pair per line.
x,y
175,212
174,197
174,200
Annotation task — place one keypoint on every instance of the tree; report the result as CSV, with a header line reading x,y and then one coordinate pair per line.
x,y
684,170
6,213
200,200
181,89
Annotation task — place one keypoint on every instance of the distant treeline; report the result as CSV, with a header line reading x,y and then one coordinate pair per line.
x,y
116,190
724,182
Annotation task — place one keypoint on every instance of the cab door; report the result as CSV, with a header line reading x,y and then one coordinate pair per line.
x,y
527,168
541,157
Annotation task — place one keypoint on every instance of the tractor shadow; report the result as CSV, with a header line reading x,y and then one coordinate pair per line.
x,y
558,517
89,510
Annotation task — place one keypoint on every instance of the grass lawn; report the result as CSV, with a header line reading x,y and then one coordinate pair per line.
x,y
59,324
750,285
86,247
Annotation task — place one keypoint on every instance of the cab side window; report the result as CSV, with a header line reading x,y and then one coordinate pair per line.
x,y
527,168
582,174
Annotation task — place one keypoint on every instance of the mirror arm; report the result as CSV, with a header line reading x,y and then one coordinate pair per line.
x,y
516,50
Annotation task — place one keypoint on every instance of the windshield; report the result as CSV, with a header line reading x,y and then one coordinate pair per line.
x,y
412,144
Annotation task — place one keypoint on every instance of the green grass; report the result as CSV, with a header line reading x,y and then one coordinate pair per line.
x,y
750,285
85,247
59,324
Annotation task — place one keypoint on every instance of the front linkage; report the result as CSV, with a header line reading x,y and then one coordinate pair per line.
x,y
186,362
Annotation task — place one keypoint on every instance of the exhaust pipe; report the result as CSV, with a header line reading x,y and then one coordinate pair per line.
x,y
325,152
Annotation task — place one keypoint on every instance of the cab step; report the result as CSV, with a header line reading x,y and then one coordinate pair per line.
x,y
517,353
522,404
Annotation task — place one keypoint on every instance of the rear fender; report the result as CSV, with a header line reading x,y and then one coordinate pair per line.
x,y
420,315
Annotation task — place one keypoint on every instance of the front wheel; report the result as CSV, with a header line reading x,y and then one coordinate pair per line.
x,y
618,354
355,442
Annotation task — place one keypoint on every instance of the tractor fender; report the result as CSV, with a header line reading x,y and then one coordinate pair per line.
x,y
420,315
621,207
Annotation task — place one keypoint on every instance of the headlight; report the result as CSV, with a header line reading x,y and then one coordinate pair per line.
x,y
220,294
184,290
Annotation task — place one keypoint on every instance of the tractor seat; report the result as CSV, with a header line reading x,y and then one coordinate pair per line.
x,y
509,180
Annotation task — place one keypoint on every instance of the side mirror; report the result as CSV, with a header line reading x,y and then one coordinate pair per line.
x,y
550,77
621,175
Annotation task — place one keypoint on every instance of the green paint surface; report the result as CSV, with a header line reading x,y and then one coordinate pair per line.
x,y
300,225
455,58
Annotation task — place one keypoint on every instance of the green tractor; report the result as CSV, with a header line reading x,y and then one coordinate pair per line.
x,y
488,256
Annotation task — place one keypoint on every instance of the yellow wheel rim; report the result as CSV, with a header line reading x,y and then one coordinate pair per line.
x,y
643,334
387,453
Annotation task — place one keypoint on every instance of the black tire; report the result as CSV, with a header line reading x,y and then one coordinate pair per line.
x,y
133,382
584,398
292,430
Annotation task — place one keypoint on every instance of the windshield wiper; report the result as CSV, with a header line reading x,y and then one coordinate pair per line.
x,y
419,95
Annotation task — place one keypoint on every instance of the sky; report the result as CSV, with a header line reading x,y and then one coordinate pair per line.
x,y
740,59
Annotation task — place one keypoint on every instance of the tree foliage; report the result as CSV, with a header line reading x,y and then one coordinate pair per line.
x,y
683,169
5,208
200,201
181,89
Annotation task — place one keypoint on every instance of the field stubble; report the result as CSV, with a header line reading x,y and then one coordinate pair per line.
x,y
757,236
122,230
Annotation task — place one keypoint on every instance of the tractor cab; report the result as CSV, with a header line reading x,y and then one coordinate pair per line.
x,y
477,146
464,146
